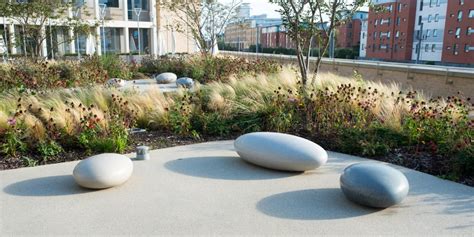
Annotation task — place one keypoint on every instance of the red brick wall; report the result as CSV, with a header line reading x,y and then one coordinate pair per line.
x,y
450,31
348,34
356,28
396,49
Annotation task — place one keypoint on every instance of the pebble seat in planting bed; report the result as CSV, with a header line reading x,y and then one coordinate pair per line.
x,y
103,171
280,151
165,78
374,185
185,82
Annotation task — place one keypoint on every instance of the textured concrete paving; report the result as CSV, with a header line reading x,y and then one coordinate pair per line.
x,y
206,189
149,84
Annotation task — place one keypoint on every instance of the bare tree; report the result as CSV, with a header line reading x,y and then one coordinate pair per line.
x,y
205,20
306,20
34,15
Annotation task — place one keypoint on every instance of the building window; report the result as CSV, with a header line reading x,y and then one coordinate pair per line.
x,y
435,33
471,13
375,35
420,19
376,21
386,48
469,31
110,3
466,48
417,48
433,47
431,3
398,21
421,5
429,18
459,15
455,49
399,7
461,2
436,18
427,46
450,32
428,33
388,34
438,3
395,48
458,33
397,34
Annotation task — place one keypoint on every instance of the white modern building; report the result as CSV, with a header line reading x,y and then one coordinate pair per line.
x,y
363,38
429,30
124,26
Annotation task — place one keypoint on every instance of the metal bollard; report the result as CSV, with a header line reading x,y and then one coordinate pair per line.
x,y
143,153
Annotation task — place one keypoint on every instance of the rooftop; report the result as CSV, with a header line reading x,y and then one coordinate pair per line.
x,y
205,189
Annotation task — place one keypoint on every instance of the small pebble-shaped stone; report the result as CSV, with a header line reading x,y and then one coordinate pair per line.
x,y
280,151
166,78
373,184
103,171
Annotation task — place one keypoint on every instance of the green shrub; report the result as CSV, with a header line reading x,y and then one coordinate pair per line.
x,y
115,67
207,69
49,149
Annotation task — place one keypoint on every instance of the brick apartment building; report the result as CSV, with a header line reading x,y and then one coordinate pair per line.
x,y
276,37
429,30
459,32
348,34
390,32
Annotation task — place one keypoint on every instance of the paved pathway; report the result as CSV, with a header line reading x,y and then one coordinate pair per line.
x,y
149,84
205,189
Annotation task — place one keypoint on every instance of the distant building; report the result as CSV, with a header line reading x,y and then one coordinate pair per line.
x,y
243,11
431,16
459,32
276,37
119,32
390,33
245,30
363,39
348,34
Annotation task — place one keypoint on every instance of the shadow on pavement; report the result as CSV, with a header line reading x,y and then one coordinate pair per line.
x,y
46,186
312,204
227,168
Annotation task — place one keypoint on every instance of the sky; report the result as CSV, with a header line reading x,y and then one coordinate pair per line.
x,y
263,7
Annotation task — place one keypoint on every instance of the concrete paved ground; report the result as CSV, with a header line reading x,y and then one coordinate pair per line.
x,y
205,189
149,84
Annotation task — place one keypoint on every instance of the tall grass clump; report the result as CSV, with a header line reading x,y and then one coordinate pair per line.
x,y
208,69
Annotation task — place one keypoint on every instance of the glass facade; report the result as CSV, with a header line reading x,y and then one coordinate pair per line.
x,y
143,5
112,40
110,3
144,44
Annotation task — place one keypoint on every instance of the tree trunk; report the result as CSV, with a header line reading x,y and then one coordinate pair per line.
x,y
320,57
302,66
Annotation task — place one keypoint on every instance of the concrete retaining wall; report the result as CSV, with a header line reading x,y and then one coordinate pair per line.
x,y
432,80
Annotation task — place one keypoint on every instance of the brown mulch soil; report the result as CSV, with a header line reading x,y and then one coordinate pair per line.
x,y
153,139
